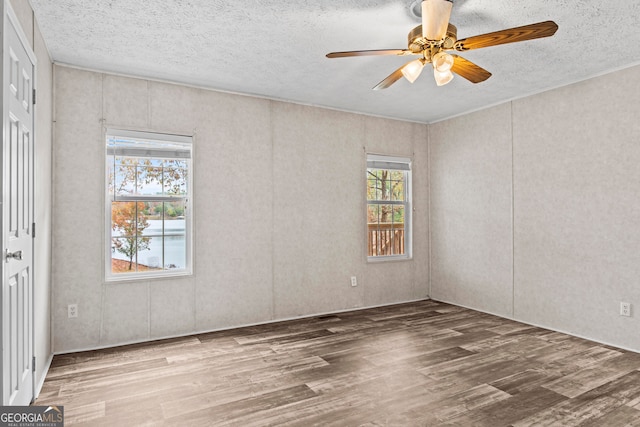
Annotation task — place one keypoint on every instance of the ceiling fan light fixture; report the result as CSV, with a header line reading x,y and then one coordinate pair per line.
x,y
442,61
436,35
412,70
442,78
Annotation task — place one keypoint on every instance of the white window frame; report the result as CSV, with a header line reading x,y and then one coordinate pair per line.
x,y
184,144
404,164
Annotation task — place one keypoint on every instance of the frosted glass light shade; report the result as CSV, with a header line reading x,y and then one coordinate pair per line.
x,y
442,61
442,78
412,70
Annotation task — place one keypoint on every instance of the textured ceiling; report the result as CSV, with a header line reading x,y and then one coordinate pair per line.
x,y
276,49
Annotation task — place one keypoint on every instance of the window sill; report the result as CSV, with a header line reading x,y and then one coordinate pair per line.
x,y
134,277
388,258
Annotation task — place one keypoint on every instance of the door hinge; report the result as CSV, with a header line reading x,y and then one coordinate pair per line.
x,y
33,364
34,97
33,230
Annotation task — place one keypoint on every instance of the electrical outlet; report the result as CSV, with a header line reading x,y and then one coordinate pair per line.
x,y
72,311
625,309
354,281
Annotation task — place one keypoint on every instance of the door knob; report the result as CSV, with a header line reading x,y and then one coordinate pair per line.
x,y
12,255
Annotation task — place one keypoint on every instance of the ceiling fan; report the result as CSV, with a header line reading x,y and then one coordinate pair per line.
x,y
437,36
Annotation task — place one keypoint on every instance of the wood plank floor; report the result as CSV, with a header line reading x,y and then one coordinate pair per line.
x,y
417,364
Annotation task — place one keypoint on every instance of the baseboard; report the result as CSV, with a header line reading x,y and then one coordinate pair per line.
x,y
573,334
43,377
246,325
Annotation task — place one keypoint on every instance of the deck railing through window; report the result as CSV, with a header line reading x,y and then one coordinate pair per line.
x,y
385,239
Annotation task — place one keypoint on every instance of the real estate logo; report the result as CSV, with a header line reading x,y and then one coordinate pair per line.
x,y
31,416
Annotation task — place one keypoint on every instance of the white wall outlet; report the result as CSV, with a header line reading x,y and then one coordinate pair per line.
x,y
625,309
72,311
354,281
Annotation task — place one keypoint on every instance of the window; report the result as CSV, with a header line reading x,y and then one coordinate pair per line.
x,y
148,209
388,207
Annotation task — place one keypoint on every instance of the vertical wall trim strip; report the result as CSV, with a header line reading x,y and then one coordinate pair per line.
x,y
104,287
513,232
273,206
429,275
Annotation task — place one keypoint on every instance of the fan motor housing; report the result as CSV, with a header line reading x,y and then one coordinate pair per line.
x,y
417,43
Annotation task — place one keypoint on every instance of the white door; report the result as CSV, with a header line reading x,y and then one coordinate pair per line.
x,y
17,214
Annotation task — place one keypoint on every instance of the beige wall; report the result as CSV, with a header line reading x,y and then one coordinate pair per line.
x,y
533,213
277,231
43,147
471,232
535,210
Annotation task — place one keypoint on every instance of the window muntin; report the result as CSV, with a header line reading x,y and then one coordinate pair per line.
x,y
388,207
148,215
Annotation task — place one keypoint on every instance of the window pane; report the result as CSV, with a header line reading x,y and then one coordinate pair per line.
x,y
120,252
385,185
175,253
397,190
398,216
111,177
154,225
374,242
372,193
124,218
175,177
154,162
174,211
151,257
174,231
128,223
125,176
398,230
149,179
385,214
384,242
397,175
378,189
155,210
373,212
373,216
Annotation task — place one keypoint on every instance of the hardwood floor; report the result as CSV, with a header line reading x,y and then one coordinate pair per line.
x,y
418,364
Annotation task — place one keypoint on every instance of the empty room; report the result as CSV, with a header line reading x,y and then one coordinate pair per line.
x,y
265,213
